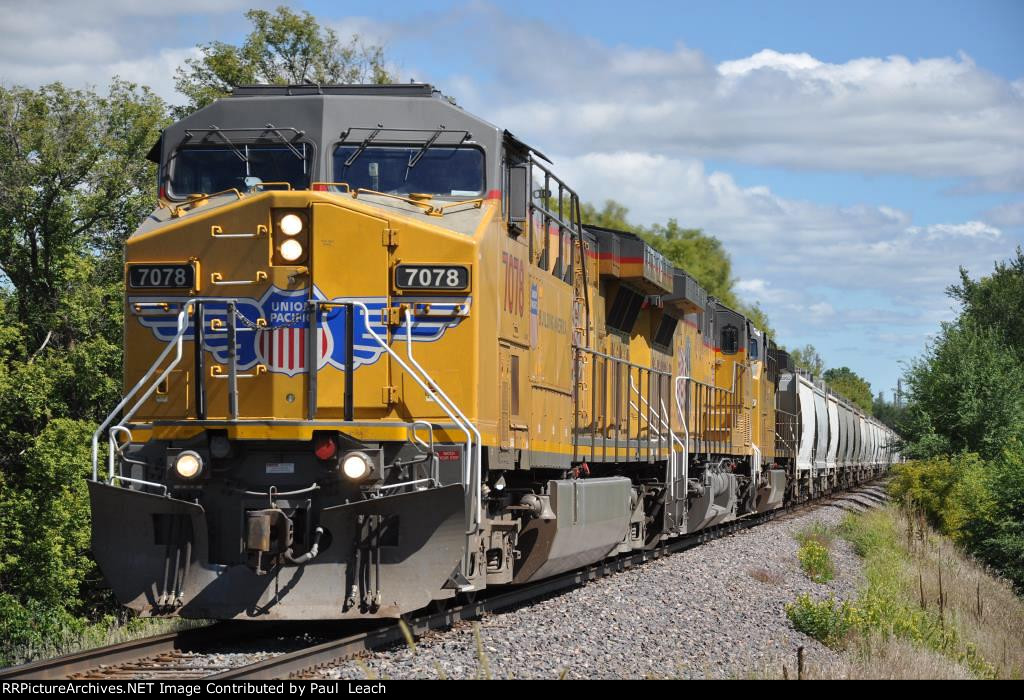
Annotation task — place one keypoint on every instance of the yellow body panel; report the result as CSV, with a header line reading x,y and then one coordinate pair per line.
x,y
510,364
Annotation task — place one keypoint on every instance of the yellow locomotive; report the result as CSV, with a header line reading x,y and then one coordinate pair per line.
x,y
374,359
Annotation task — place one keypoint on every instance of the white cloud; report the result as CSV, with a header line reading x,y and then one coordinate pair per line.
x,y
970,229
936,117
834,267
762,291
636,125
85,43
155,71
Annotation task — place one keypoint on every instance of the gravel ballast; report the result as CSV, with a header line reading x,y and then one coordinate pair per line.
x,y
714,611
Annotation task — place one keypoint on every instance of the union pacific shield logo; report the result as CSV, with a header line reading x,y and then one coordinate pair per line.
x,y
282,344
280,341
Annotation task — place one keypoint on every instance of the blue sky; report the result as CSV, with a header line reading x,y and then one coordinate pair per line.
x,y
850,156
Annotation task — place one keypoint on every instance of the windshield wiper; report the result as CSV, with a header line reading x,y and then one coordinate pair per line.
x,y
415,158
301,155
362,146
223,133
217,130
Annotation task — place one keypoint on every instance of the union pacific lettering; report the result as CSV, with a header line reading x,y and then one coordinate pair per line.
x,y
288,312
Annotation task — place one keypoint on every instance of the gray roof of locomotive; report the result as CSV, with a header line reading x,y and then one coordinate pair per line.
x,y
326,116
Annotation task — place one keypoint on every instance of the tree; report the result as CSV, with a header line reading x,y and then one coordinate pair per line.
x,y
612,215
965,398
692,250
283,48
966,389
996,301
74,184
699,254
807,358
852,386
756,315
889,413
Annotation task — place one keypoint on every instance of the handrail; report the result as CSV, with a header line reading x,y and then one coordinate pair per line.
x,y
440,211
474,481
217,231
684,419
673,459
472,476
647,405
624,361
217,279
175,342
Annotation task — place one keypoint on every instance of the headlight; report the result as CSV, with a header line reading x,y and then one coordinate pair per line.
x,y
290,224
356,465
188,464
291,249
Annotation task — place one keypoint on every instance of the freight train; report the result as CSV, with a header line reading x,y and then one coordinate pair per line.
x,y
374,360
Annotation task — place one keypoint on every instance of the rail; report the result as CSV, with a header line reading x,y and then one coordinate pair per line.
x,y
474,458
611,425
684,421
564,212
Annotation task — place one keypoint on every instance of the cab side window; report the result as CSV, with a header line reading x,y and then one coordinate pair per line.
x,y
730,341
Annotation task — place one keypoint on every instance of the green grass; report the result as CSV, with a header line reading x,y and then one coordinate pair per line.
x,y
816,532
887,608
815,541
70,640
829,621
816,562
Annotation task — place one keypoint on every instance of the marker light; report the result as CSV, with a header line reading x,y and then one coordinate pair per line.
x,y
188,464
324,447
290,224
356,465
291,250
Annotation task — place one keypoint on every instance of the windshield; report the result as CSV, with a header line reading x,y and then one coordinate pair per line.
x,y
204,170
452,172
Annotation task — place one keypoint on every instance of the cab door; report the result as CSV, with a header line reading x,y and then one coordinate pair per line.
x,y
351,260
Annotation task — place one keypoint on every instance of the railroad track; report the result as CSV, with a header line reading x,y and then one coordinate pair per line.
x,y
207,652
92,663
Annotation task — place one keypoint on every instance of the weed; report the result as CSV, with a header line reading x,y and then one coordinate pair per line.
x,y
765,576
816,562
829,621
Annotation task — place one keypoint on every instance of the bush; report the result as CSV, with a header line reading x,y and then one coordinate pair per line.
x,y
888,606
978,503
945,488
996,534
828,621
49,580
815,561
33,627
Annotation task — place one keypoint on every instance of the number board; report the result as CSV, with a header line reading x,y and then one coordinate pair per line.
x,y
162,276
447,277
